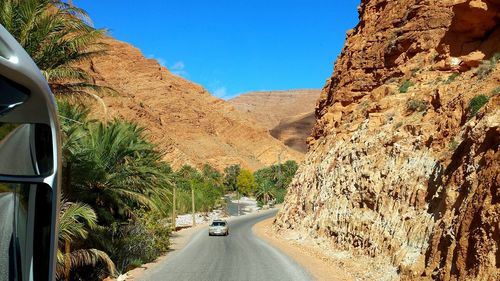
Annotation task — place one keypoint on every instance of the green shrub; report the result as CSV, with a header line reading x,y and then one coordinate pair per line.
x,y
280,195
453,145
495,91
476,103
416,105
452,77
488,66
138,241
495,58
405,86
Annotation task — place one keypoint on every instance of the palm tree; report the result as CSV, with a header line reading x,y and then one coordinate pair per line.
x,y
73,120
59,37
115,170
74,221
265,191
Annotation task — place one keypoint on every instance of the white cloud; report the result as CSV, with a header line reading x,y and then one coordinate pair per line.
x,y
179,68
161,61
220,92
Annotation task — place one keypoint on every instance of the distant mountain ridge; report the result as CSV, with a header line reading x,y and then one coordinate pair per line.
x,y
186,122
287,114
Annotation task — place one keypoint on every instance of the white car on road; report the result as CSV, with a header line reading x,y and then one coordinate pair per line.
x,y
218,227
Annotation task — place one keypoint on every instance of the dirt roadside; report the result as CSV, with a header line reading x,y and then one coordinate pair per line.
x,y
317,264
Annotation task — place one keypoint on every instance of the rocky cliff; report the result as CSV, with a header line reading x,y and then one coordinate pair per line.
x,y
288,115
403,166
189,124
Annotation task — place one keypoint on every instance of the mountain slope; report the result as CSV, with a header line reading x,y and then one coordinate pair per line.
x,y
403,170
189,125
294,130
282,112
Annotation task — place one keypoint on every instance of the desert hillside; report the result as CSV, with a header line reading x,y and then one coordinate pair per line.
x,y
288,115
189,124
295,130
403,171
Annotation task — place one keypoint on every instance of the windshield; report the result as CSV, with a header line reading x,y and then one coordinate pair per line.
x,y
24,230
218,223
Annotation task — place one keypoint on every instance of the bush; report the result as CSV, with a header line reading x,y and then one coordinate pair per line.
x,y
488,66
476,103
452,77
280,195
416,105
453,145
405,86
495,91
138,241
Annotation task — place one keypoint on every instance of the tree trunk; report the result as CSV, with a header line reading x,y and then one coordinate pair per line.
x,y
174,205
66,188
67,262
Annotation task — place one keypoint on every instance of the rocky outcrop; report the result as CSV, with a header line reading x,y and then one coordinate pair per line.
x,y
189,124
403,164
288,115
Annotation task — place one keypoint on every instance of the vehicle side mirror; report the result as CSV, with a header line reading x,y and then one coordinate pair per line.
x,y
30,161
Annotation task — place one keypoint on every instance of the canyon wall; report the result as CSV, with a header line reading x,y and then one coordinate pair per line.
x,y
403,165
188,124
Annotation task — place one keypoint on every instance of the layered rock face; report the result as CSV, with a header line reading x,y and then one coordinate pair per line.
x,y
403,164
189,124
288,115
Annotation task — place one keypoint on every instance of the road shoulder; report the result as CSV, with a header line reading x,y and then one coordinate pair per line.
x,y
317,264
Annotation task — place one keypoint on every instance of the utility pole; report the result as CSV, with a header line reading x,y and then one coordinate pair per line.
x,y
238,192
174,205
279,169
238,196
192,205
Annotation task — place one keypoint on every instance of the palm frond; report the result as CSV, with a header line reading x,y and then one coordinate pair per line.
x,y
74,219
58,37
83,257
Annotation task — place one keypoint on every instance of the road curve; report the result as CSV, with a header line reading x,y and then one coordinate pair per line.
x,y
241,256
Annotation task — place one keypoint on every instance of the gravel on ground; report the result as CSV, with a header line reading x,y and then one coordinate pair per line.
x,y
312,259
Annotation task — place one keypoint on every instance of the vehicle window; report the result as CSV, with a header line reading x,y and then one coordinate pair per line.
x,y
24,231
28,147
11,95
218,223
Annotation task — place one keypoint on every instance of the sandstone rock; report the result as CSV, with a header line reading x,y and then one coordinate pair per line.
x,y
189,124
473,59
416,190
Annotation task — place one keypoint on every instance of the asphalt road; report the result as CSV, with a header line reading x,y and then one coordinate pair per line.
x,y
6,229
241,256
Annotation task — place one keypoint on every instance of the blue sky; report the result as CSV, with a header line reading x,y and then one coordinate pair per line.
x,y
234,46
